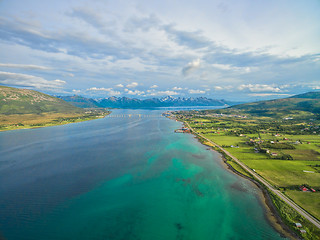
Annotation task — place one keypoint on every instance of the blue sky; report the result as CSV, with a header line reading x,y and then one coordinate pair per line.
x,y
236,50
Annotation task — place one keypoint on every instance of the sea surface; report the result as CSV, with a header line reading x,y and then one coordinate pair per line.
x,y
127,176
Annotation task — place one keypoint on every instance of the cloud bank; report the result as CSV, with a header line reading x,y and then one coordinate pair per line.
x,y
105,43
25,80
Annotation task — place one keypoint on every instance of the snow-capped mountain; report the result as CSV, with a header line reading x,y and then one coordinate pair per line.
x,y
168,101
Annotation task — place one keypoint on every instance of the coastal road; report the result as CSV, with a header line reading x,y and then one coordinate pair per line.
x,y
305,214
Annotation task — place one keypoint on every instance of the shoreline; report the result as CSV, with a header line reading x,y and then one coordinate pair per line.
x,y
271,213
54,121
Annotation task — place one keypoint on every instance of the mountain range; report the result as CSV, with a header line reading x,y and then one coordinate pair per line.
x,y
125,102
24,101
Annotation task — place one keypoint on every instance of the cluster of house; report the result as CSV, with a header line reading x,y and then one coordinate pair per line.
x,y
299,225
305,189
183,130
273,154
226,115
234,146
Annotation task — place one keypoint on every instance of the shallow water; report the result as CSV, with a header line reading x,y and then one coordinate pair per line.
x,y
122,178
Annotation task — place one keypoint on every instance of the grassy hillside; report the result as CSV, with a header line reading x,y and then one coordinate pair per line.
x,y
22,108
23,101
310,95
303,105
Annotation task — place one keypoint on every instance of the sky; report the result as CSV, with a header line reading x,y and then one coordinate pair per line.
x,y
236,50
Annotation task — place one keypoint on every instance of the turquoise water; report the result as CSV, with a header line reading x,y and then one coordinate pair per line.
x,y
122,178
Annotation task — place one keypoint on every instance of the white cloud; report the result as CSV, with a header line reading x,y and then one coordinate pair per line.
x,y
132,85
163,93
197,91
259,88
68,74
26,80
222,66
154,86
190,67
108,91
119,85
114,93
221,88
60,81
177,88
267,94
24,66
76,91
99,89
135,92
228,67
132,64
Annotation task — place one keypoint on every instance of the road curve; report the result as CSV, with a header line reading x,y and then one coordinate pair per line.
x,y
304,213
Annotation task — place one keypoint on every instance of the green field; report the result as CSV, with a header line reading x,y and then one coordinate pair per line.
x,y
308,199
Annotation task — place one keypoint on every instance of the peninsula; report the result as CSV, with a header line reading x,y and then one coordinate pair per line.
x,y
23,108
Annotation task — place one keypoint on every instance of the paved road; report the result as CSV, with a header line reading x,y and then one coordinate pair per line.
x,y
315,221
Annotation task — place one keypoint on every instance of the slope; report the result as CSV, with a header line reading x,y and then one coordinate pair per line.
x,y
307,104
24,101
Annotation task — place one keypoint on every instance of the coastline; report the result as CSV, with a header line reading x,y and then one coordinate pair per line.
x,y
271,212
47,121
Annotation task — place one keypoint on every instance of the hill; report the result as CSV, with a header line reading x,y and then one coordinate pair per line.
x,y
22,108
81,102
24,101
125,102
309,95
302,104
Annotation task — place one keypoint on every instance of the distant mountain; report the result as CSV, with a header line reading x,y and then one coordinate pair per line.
x,y
80,102
125,102
307,102
24,101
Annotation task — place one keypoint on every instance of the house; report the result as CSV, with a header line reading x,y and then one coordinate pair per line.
x,y
298,224
304,189
274,154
